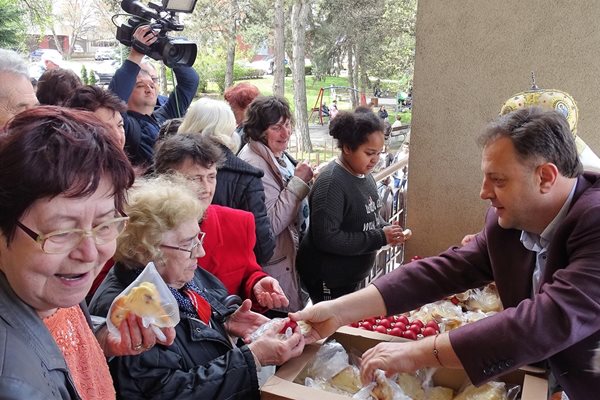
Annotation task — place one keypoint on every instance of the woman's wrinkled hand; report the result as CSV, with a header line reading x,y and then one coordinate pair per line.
x,y
244,321
269,294
273,348
135,338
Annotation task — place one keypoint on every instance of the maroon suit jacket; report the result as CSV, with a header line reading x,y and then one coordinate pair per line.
x,y
561,323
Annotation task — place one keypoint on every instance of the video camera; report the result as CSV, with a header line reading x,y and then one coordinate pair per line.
x,y
173,51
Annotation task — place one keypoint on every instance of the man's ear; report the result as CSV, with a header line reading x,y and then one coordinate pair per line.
x,y
547,174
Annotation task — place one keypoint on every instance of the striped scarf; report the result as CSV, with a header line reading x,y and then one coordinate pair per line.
x,y
191,302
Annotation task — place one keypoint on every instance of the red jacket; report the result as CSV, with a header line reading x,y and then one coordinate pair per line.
x,y
229,245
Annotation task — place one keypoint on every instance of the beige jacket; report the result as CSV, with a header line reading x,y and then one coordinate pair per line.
x,y
282,201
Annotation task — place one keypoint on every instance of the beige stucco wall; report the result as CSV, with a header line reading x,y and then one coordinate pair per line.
x,y
472,55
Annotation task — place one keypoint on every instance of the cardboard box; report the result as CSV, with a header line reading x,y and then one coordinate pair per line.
x,y
281,385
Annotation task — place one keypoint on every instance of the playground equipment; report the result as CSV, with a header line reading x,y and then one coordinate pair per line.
x,y
318,107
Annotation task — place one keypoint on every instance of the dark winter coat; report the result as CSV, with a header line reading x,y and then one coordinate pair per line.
x,y
200,364
239,185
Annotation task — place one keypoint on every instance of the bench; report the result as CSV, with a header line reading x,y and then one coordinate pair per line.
x,y
400,131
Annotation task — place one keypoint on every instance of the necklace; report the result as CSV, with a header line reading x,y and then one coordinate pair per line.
x,y
342,163
48,314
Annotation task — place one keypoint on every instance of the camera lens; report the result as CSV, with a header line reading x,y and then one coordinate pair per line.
x,y
176,51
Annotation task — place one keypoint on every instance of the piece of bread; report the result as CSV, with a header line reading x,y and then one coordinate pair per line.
x,y
347,380
411,386
119,311
488,391
142,300
305,327
439,393
382,389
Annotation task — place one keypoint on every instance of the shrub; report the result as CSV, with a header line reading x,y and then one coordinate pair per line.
x,y
84,75
240,72
92,78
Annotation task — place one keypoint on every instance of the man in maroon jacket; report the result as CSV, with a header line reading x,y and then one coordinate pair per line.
x,y
540,244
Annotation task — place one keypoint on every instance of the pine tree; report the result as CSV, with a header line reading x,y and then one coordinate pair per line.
x,y
92,78
84,75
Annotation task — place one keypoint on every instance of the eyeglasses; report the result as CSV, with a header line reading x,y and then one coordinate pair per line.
x,y
190,250
280,127
58,242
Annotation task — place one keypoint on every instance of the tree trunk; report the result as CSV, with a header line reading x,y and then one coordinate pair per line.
x,y
355,75
299,17
231,44
279,49
353,94
57,42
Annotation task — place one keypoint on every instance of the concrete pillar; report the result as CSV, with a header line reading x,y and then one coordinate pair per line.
x,y
472,55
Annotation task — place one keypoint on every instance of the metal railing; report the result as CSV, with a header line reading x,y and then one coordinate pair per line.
x,y
391,257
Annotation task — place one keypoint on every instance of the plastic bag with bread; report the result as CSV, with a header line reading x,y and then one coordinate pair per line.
x,y
381,389
487,391
147,297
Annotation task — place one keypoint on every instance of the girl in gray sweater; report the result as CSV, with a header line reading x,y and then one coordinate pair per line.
x,y
346,230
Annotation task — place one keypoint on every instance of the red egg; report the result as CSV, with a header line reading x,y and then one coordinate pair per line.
x,y
409,335
429,331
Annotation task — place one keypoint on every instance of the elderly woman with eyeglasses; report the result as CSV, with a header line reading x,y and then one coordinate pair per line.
x,y
62,189
268,128
203,362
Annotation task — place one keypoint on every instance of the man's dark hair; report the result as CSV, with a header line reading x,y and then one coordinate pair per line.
x,y
90,97
537,136
263,112
56,86
49,151
174,150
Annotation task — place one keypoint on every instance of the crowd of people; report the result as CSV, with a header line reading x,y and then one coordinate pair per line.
x,y
95,184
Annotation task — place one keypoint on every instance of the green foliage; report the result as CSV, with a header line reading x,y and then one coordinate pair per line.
x,y
202,83
12,26
265,86
40,13
84,75
92,78
212,69
307,70
205,65
380,32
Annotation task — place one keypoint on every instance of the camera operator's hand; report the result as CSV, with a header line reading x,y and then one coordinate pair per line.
x,y
146,36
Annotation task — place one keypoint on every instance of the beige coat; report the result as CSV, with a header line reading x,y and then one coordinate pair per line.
x,y
283,202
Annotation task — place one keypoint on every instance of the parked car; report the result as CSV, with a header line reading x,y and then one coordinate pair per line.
x,y
105,71
36,55
77,48
104,53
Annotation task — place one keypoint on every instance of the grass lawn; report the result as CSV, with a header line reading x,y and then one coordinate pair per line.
x,y
265,85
